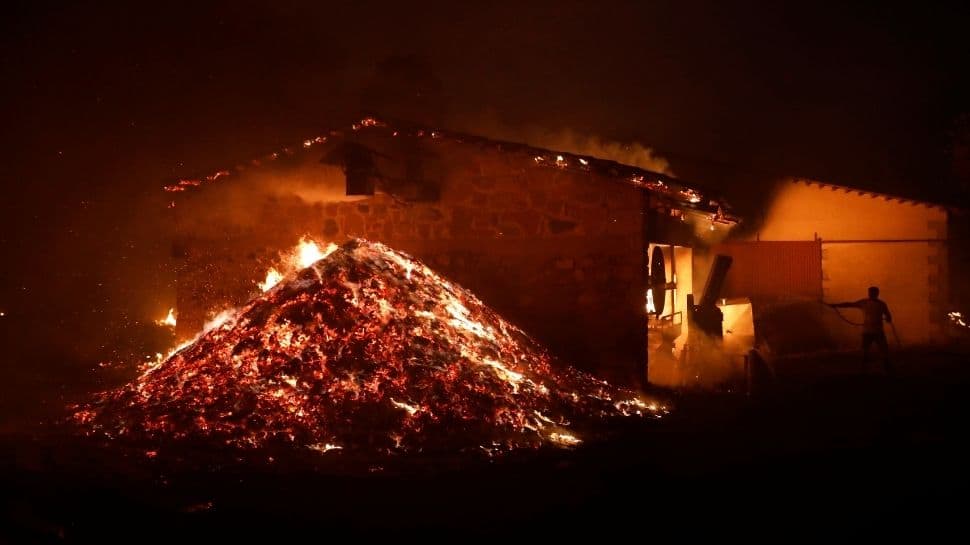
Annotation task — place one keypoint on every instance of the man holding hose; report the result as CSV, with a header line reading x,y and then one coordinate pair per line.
x,y
873,309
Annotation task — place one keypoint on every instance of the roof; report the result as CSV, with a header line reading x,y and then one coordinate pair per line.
x,y
690,196
873,194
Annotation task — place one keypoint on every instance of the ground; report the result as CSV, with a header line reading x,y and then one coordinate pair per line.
x,y
826,453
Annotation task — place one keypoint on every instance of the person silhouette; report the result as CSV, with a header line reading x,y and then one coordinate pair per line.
x,y
873,310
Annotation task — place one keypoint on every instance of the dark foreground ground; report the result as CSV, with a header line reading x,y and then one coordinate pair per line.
x,y
828,454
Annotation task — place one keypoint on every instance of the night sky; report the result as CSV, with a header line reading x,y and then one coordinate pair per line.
x,y
103,104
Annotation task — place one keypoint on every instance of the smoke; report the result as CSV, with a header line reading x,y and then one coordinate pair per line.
x,y
407,87
706,365
240,200
309,181
570,141
632,153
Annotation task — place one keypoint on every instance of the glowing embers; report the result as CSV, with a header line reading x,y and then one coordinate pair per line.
x,y
956,318
692,196
363,350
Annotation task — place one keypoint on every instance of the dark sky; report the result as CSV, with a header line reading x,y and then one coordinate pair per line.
x,y
104,103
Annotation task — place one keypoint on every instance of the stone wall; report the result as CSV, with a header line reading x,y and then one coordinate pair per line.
x,y
558,253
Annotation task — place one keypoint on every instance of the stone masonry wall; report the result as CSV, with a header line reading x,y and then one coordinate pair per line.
x,y
557,253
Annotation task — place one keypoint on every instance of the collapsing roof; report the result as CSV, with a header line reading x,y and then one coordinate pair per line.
x,y
677,192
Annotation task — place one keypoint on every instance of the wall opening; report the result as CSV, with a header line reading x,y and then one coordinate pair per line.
x,y
671,280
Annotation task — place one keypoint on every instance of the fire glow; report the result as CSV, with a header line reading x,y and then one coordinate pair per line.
x,y
360,347
169,320
651,307
306,253
957,319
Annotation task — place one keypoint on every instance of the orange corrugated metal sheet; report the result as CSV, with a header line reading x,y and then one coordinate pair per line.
x,y
773,269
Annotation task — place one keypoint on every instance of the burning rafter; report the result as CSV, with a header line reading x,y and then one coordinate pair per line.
x,y
661,185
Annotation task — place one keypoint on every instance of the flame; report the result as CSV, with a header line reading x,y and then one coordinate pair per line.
x,y
651,308
219,319
168,320
324,447
410,409
692,196
565,439
273,277
306,253
957,318
309,253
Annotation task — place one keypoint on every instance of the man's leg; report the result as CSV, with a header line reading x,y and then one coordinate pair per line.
x,y
883,345
866,341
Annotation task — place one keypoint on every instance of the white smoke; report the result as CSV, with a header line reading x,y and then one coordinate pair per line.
x,y
570,141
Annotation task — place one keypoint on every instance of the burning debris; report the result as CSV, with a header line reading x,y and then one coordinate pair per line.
x,y
360,347
956,318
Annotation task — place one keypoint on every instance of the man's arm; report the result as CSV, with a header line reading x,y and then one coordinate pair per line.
x,y
885,312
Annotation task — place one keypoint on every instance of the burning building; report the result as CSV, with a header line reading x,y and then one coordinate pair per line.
x,y
558,243
822,242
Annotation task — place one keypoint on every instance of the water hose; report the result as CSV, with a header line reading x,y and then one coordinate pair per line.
x,y
839,314
850,322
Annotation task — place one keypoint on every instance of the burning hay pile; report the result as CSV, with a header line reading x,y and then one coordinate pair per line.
x,y
368,349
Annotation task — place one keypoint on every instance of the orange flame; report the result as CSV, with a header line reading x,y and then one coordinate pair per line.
x,y
306,253
651,307
168,320
273,277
